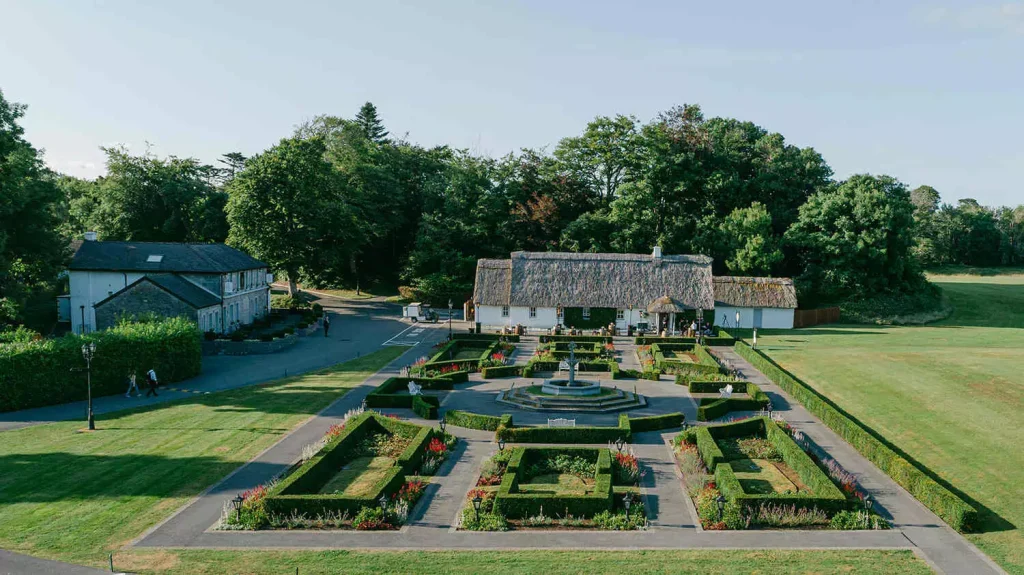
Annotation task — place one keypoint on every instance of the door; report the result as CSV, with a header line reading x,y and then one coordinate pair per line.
x,y
757,317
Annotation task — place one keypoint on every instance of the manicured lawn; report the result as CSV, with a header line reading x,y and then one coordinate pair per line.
x,y
950,394
75,496
359,478
716,561
558,483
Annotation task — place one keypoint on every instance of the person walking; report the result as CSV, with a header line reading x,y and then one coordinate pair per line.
x,y
151,380
132,385
327,324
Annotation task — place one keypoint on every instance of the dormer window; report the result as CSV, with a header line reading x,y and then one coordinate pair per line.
x,y
155,259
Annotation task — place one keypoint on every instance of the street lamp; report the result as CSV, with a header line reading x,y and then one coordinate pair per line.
x,y
443,423
88,352
383,503
627,502
237,504
449,319
362,405
619,443
476,506
737,319
721,506
769,409
501,444
867,510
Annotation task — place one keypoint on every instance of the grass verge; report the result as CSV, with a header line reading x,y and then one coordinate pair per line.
x,y
76,496
522,562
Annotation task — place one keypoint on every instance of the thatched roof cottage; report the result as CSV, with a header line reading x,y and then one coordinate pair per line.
x,y
586,290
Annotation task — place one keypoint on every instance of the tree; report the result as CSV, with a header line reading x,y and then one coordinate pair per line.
x,y
753,249
32,251
603,155
148,199
287,208
234,162
855,239
370,124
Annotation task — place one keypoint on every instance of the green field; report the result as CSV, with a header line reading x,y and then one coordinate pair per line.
x,y
715,561
950,394
77,496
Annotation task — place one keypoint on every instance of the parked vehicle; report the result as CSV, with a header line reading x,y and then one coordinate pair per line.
x,y
419,312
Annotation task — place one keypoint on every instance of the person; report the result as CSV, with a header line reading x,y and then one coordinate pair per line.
x,y
327,324
693,328
151,380
132,385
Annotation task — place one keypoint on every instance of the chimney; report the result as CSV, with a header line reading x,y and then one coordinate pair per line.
x,y
90,236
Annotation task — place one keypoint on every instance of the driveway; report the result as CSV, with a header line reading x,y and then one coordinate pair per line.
x,y
357,328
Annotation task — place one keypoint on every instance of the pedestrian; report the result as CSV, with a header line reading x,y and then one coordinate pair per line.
x,y
132,385
151,380
327,324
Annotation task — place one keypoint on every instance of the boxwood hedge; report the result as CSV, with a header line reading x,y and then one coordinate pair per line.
x,y
472,420
38,373
486,337
394,392
501,371
751,399
590,434
959,514
426,406
516,505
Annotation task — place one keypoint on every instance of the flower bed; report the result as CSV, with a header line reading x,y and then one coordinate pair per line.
x,y
359,476
660,356
394,392
463,355
555,488
765,477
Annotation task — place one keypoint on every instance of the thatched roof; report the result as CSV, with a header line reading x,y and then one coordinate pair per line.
x,y
754,292
664,304
550,279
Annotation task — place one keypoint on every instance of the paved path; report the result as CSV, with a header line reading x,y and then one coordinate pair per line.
x,y
940,544
17,564
357,328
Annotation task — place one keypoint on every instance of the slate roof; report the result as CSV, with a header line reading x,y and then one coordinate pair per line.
x,y
567,279
742,291
177,257
175,285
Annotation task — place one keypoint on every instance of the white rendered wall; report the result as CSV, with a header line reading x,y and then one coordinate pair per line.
x,y
771,318
490,316
88,288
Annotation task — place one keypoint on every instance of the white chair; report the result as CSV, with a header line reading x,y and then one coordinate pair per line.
x,y
561,422
725,392
415,389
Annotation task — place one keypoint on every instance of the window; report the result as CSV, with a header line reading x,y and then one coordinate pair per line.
x,y
533,312
155,259
586,313
241,281
504,311
620,314
559,313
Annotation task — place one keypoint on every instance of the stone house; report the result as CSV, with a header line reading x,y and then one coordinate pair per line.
x,y
217,286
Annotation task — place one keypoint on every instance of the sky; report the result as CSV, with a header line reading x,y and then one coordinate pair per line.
x,y
929,92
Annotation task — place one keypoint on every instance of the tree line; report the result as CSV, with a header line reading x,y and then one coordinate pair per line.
x,y
342,202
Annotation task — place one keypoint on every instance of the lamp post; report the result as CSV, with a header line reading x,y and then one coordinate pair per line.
x,y
383,503
867,510
769,409
737,319
443,423
449,319
619,443
720,500
627,502
362,404
237,504
476,506
88,351
501,444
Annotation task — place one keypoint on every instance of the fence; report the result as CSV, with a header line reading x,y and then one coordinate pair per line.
x,y
809,317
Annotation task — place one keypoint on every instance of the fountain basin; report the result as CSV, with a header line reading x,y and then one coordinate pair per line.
x,y
579,388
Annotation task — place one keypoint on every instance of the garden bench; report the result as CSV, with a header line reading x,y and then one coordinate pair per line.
x,y
725,392
561,422
415,389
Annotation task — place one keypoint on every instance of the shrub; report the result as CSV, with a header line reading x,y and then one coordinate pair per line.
x,y
425,406
502,371
952,509
20,334
655,422
210,336
37,373
373,519
471,420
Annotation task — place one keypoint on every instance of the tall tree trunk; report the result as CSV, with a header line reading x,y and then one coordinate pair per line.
x,y
293,289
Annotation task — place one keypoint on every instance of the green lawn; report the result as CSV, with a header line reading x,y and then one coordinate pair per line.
x,y
76,496
950,394
359,478
717,561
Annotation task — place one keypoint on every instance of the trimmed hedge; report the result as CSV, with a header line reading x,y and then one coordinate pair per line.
x,y
653,374
38,373
471,420
425,406
722,339
655,422
959,514
440,359
707,362
704,386
753,399
394,392
576,338
486,337
515,505
298,492
501,371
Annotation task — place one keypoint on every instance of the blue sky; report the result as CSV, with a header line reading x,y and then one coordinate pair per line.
x,y
928,92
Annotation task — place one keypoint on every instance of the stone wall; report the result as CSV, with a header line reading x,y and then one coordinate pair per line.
x,y
141,299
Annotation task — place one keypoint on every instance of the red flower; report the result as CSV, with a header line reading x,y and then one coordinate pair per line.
x,y
437,446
